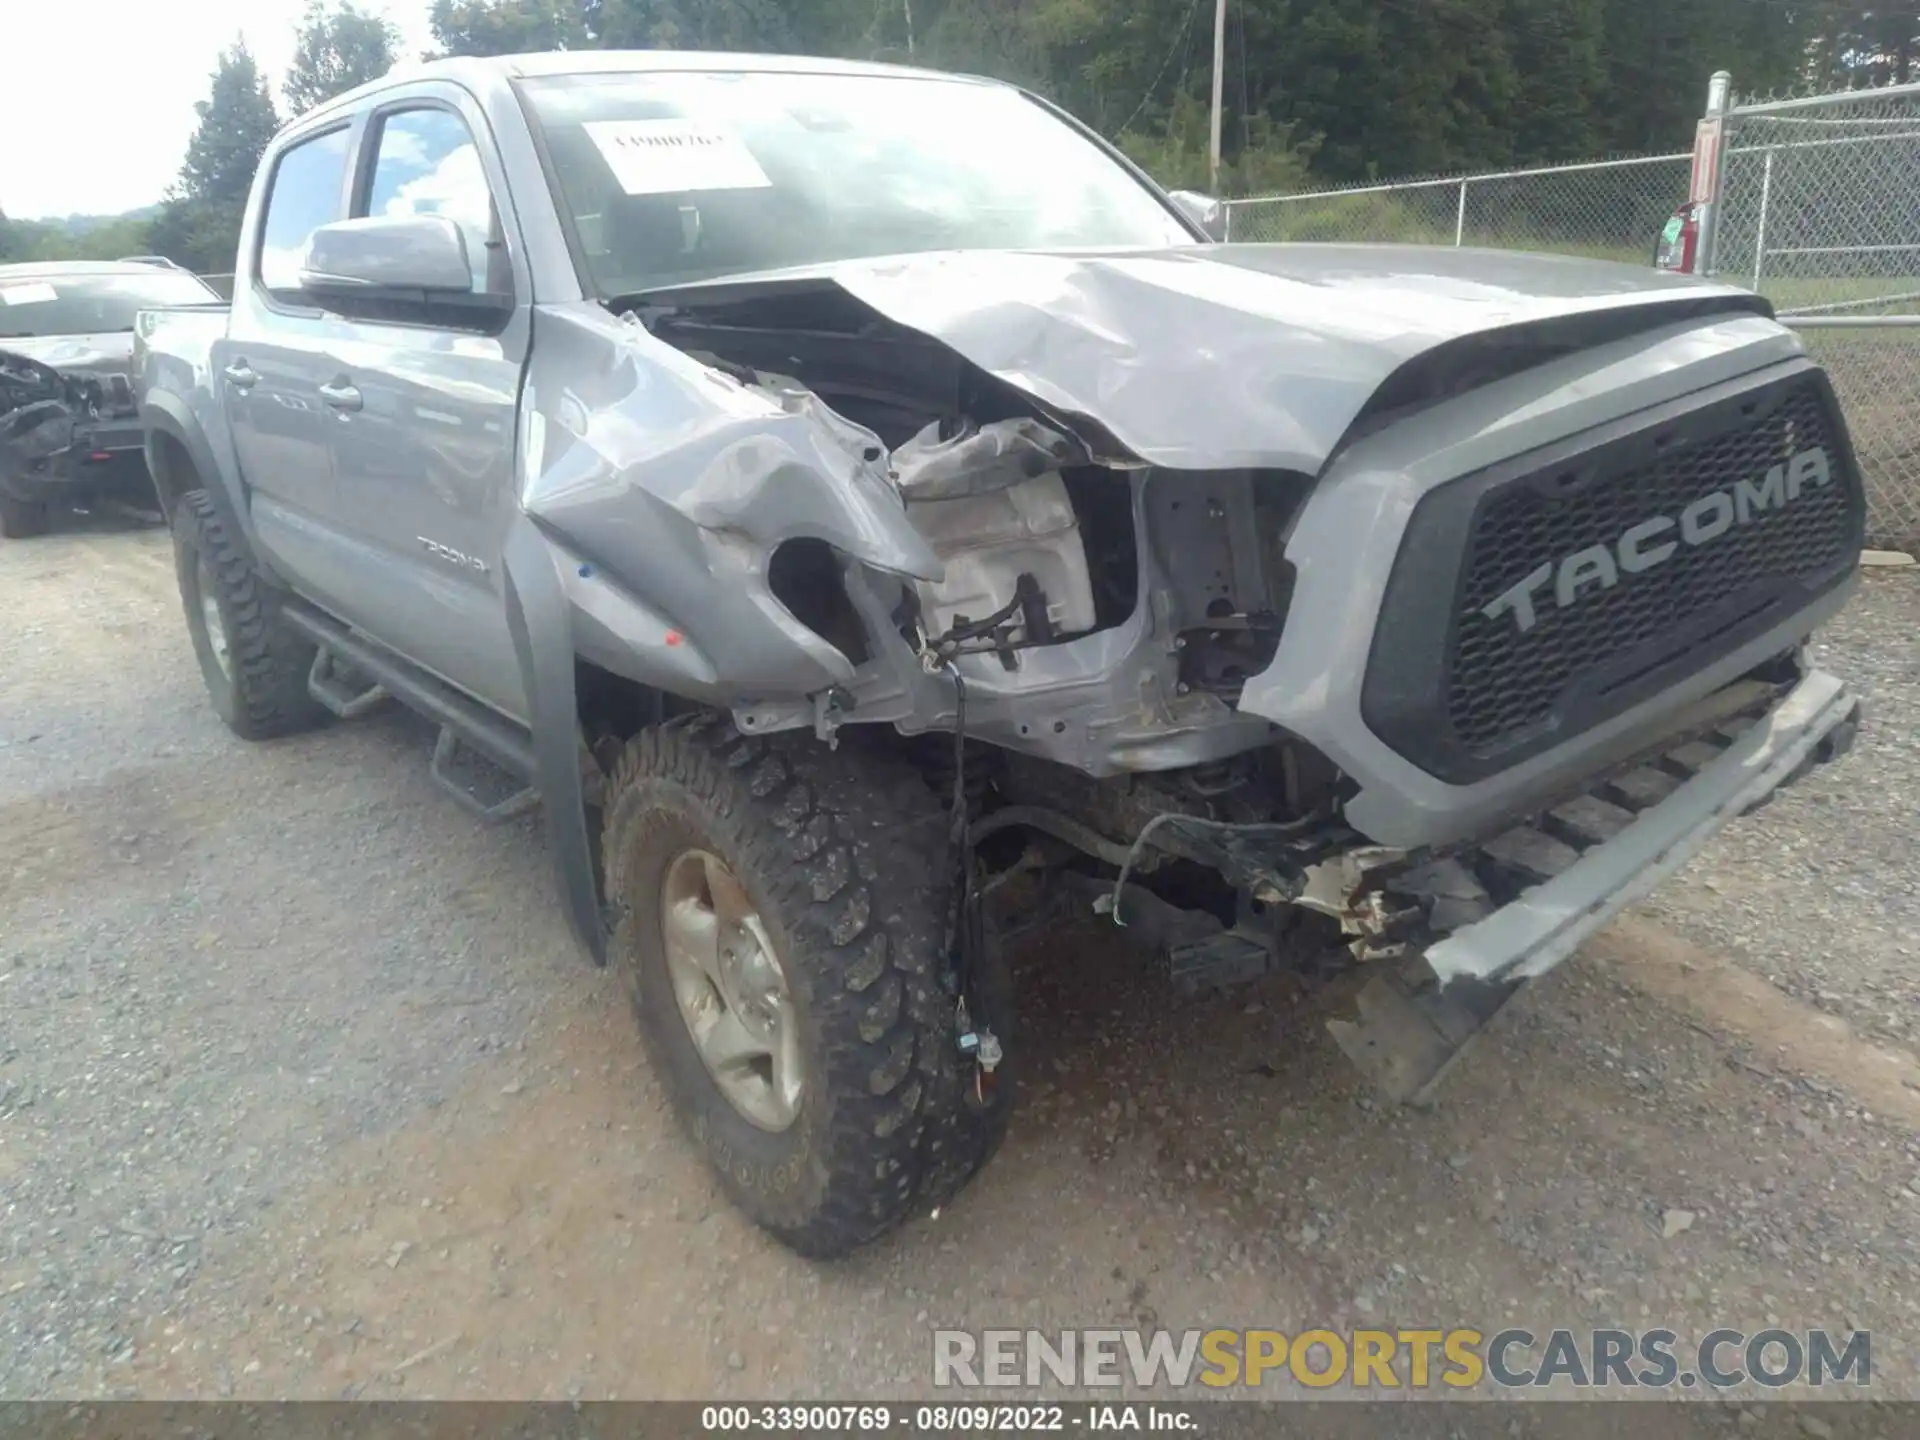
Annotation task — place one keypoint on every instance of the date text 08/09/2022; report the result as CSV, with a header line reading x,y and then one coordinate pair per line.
x,y
945,1419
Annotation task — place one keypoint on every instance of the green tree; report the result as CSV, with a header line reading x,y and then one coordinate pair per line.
x,y
507,27
1857,46
199,223
1348,89
749,25
237,121
338,48
1560,70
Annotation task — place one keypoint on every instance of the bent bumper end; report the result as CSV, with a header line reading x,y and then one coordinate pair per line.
x,y
1816,722
1410,1030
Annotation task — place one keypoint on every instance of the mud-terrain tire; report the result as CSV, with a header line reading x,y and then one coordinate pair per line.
x,y
843,857
22,519
258,682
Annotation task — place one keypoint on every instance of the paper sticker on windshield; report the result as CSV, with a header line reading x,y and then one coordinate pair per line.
x,y
26,294
669,157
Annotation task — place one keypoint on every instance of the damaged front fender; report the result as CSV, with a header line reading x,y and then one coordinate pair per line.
x,y
671,478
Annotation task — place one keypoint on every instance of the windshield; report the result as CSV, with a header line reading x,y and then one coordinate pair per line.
x,y
672,176
83,304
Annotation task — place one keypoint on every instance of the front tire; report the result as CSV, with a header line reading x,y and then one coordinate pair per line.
x,y
828,872
22,519
255,665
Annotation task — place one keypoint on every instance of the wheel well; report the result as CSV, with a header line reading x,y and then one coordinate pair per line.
x,y
804,575
613,708
172,469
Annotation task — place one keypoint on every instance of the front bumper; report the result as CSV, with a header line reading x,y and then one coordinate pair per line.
x,y
1815,722
1416,1019
104,458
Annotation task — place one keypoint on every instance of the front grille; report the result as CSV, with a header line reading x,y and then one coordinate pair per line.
x,y
1502,680
1458,684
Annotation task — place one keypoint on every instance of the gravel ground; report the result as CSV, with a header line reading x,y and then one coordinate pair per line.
x,y
304,1090
1820,891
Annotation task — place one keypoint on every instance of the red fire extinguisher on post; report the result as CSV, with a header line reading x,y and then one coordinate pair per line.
x,y
1679,240
1681,244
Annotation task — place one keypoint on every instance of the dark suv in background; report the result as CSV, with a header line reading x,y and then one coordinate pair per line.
x,y
69,426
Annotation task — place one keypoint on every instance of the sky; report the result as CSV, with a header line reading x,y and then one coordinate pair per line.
x,y
100,94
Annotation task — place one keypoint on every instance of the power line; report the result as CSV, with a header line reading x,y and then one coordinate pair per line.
x,y
1185,25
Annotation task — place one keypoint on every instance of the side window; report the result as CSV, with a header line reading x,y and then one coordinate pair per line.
x,y
303,196
425,163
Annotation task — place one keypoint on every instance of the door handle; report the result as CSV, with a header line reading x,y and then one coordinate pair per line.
x,y
242,375
341,396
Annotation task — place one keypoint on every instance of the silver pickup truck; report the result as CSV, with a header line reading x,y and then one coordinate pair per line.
x,y
869,518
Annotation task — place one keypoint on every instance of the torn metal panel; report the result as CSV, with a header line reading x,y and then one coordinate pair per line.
x,y
980,459
1407,1034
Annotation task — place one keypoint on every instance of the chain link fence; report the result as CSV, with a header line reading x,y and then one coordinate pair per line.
x,y
1605,209
1819,210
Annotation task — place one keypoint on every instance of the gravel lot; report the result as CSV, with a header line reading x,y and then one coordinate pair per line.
x,y
305,1091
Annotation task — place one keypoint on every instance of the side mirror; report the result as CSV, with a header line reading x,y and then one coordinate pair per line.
x,y
1204,210
385,255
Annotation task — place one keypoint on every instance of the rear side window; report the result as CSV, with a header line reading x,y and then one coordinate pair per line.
x,y
303,196
425,163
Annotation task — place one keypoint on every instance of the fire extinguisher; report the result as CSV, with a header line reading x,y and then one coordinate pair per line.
x,y
1679,240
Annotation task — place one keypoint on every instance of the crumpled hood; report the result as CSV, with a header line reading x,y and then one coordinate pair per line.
x,y
106,359
1232,356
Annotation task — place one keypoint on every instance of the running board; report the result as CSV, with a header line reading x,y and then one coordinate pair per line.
x,y
501,741
326,684
446,752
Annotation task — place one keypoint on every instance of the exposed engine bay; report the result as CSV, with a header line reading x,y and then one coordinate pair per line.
x,y
1049,531
1057,546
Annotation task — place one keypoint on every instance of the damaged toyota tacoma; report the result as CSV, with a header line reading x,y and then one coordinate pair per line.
x,y
870,518
69,429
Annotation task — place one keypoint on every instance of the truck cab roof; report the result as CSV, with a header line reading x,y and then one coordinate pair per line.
x,y
479,72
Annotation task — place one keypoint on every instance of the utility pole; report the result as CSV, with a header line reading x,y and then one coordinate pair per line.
x,y
1219,89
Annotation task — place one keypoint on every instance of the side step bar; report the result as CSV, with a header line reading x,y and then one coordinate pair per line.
x,y
446,751
326,684
497,738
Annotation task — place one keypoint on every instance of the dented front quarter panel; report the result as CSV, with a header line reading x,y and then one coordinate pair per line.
x,y
665,481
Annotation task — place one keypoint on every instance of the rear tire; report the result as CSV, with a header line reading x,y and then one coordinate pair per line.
x,y
255,665
843,858
22,519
